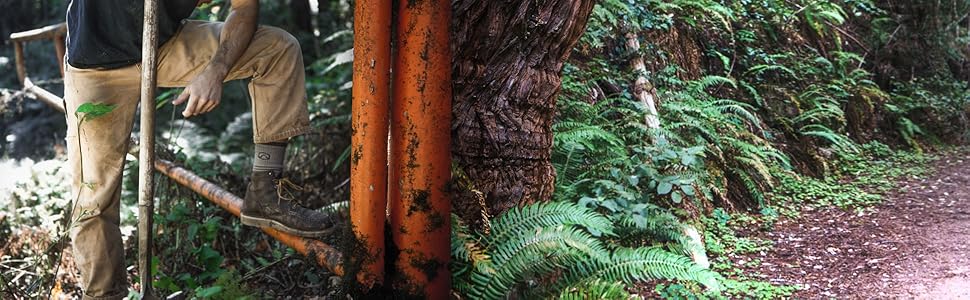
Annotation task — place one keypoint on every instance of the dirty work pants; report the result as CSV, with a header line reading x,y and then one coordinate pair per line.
x,y
274,64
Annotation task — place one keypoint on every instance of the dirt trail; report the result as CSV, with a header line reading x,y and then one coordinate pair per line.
x,y
916,245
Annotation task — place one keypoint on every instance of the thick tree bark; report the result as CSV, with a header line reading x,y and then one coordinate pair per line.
x,y
507,67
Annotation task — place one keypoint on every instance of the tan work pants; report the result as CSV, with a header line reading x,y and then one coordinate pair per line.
x,y
273,61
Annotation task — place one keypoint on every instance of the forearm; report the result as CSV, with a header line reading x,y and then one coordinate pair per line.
x,y
236,36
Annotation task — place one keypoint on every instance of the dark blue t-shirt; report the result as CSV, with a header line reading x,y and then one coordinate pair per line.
x,y
107,33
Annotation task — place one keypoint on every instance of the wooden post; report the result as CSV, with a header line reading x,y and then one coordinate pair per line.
x,y
146,182
59,50
52,32
369,123
18,50
420,150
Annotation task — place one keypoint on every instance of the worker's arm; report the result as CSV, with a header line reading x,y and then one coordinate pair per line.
x,y
205,91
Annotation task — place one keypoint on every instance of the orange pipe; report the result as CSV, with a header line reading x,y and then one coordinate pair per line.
x,y
324,254
420,149
368,175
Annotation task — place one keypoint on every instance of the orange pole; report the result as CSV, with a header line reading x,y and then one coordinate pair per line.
x,y
420,149
368,165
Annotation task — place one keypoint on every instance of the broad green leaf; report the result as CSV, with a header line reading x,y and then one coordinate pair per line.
x,y
209,291
93,110
688,189
664,188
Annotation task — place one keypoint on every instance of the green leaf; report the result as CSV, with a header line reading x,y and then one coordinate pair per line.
x,y
677,197
664,187
686,159
208,292
633,180
93,110
688,189
610,204
193,230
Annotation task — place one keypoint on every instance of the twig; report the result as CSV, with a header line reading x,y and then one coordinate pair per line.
x,y
263,268
851,37
18,269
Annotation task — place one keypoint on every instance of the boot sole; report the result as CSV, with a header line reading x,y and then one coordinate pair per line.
x,y
270,223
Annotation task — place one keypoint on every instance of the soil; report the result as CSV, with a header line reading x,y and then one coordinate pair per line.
x,y
915,245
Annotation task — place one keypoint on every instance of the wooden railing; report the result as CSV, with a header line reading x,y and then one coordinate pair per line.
x,y
53,33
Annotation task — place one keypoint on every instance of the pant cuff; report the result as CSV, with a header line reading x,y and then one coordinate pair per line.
x,y
117,296
286,134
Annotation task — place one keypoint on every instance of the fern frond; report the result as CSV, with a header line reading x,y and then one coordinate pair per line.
x,y
466,252
538,251
590,136
596,289
836,139
545,214
639,264
709,81
760,69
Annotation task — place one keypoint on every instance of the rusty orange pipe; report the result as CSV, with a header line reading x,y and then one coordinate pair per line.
x,y
420,208
324,254
368,164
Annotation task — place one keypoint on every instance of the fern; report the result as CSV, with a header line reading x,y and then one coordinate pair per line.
x,y
761,69
466,252
638,264
540,251
660,226
838,140
542,239
706,8
540,215
596,289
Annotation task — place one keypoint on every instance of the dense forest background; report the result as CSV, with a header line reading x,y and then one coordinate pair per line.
x,y
678,128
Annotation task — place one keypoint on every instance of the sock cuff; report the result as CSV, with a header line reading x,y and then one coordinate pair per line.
x,y
268,157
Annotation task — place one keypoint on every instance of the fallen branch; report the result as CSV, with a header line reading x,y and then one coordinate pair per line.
x,y
325,255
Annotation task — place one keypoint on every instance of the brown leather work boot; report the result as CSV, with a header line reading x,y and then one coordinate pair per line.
x,y
269,203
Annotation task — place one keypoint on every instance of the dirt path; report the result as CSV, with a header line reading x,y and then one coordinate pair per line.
x,y
916,245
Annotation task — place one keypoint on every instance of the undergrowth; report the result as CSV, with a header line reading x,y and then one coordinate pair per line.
x,y
765,109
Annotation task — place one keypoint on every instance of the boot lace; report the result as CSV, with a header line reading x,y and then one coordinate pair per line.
x,y
285,188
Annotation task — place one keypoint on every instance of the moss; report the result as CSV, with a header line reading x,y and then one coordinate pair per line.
x,y
420,202
428,266
435,222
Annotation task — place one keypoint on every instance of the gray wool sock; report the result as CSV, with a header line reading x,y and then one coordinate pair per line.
x,y
269,157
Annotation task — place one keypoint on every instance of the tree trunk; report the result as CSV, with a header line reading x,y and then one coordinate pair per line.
x,y
643,90
507,67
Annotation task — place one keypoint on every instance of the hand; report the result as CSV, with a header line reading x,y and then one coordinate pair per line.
x,y
203,93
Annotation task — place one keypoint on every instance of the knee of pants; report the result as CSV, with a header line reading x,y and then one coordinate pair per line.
x,y
284,42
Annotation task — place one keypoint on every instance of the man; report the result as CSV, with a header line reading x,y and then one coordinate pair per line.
x,y
103,66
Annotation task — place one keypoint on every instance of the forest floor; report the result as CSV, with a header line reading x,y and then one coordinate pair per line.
x,y
913,245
